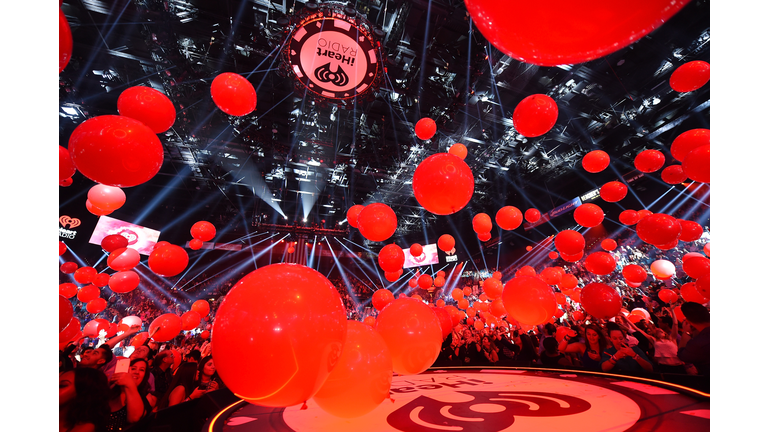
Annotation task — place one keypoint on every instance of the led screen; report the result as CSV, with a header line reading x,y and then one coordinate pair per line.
x,y
141,238
429,256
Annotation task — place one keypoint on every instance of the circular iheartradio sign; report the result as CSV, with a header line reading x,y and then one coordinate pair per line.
x,y
332,57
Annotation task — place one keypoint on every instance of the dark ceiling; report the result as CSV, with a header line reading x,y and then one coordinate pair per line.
x,y
218,167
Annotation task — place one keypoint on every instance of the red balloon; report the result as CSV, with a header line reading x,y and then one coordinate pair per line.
x,y
140,338
66,182
116,151
667,246
416,250
696,164
457,294
93,327
148,106
425,281
101,280
529,300
85,275
706,249
482,223
165,327
382,297
569,242
577,315
643,213
696,267
353,213
203,230
65,312
68,267
304,323
649,161
588,215
441,274
532,215
393,276
70,331
691,231
95,210
425,128
568,281
65,41
205,334
413,283
463,304
443,184
291,249
600,300
446,323
123,259
66,166
552,275
195,244
667,296
124,281
689,76
113,242
535,115
628,217
702,286
413,334
88,293
572,257
233,94
96,305
608,244
673,174
613,191
509,218
391,258
525,271
459,150
595,161
600,263
439,281
467,291
531,33
658,229
377,222
493,288
201,307
484,236
67,290
446,243
691,294
688,141
553,255
497,308
168,261
190,320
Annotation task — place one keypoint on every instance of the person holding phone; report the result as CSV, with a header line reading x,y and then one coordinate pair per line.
x,y
620,357
128,402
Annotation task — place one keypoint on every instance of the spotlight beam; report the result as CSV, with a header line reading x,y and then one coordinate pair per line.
x,y
343,273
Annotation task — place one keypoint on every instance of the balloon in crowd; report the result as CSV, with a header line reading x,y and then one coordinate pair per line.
x,y
600,300
165,327
377,222
201,307
529,300
413,334
168,261
443,184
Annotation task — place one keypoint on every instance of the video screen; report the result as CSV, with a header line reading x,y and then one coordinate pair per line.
x,y
429,256
141,238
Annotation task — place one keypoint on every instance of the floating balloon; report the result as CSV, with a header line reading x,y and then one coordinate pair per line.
x,y
628,217
148,106
553,255
392,276
496,275
600,263
634,273
190,320
413,283
65,41
291,249
702,286
233,94
569,242
93,327
203,230
525,271
66,182
165,327
688,141
457,294
608,244
689,76
101,280
600,300
195,244
552,275
484,237
124,281
65,312
391,258
95,210
205,334
696,164
446,242
456,315
572,257
696,267
482,223
463,304
413,334
459,150
168,261
416,250
493,288
690,230
425,281
667,296
691,294
66,166
377,222
648,161
201,307
509,218
113,242
67,290
560,298
68,267
613,191
529,300
96,305
662,269
595,161
658,229
706,249
446,324
532,215
497,308
123,259
535,115
382,297
643,213
425,128
568,281
70,331
531,33
588,215
673,174
353,213
116,151
443,184
85,275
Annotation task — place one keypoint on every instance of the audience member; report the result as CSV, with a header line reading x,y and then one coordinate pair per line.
x,y
83,396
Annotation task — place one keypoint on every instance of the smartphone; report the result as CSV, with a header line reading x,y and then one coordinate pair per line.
x,y
123,365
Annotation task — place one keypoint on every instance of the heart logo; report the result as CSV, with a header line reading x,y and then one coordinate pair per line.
x,y
72,222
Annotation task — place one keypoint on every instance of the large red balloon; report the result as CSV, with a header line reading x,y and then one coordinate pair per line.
x,y
66,166
65,41
628,217
377,222
362,378
391,258
303,323
443,184
116,151
190,320
532,33
96,305
493,288
600,263
446,242
67,290
381,298
416,250
233,94
124,281
459,150
113,242
148,106
203,230
658,229
425,128
696,164
687,142
93,327
168,261
588,215
425,281
165,327
529,300
690,76
595,161
509,218
123,259
691,294
68,267
85,275
673,174
65,312
446,323
532,215
552,275
107,198
600,300
413,334
691,231
696,267
201,307
634,273
613,191
393,276
569,242
535,115
648,161
482,223
353,213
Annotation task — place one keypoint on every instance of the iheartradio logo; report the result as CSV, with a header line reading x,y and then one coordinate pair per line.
x,y
68,221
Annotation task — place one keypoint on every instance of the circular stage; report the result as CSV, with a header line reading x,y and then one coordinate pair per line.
x,y
494,400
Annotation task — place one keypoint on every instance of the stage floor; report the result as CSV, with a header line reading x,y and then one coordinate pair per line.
x,y
495,400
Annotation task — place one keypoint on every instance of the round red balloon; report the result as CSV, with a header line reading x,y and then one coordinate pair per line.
x,y
493,288
634,273
413,334
148,106
68,267
392,276
65,312
96,305
203,230
101,280
689,76
569,242
688,141
190,320
696,164
459,150
643,213
649,161
391,258
691,231
553,255
88,293
67,290
70,331
446,324
66,166
595,161
233,94
123,259
168,261
613,191
529,300
568,281
696,267
377,222
484,236
509,218
165,327
658,229
205,334
482,223
201,307
93,327
535,115
600,263
629,217
600,300
85,275
572,257
416,250
113,242
588,215
443,184
691,294
702,286
608,244
65,41
673,174
532,215
382,297
425,281
446,242
124,281
552,275
353,213
195,244
66,182
116,151
425,128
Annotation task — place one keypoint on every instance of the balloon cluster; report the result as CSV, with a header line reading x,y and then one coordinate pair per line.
x,y
202,231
